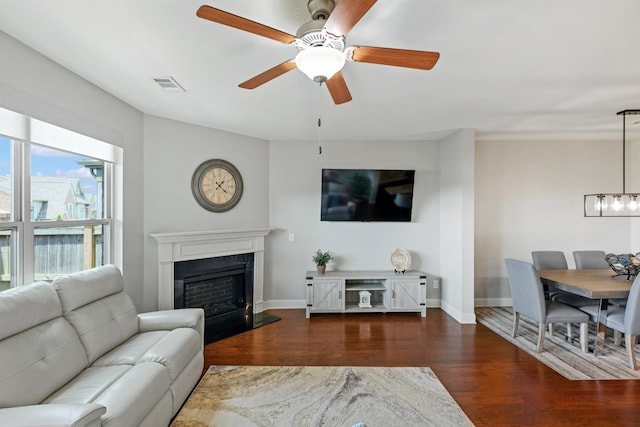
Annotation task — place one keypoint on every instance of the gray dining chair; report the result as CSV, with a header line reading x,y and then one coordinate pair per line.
x,y
552,260
590,260
585,260
528,299
624,320
549,260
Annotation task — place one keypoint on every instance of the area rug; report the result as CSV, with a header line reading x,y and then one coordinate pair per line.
x,y
319,396
565,358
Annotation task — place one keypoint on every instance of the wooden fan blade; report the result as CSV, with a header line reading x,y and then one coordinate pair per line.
x,y
231,20
346,15
419,59
268,75
338,89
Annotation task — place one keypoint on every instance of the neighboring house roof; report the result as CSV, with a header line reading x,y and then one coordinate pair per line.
x,y
58,192
50,195
5,199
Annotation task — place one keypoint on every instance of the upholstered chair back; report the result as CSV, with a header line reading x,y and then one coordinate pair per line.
x,y
549,260
526,290
95,304
632,311
590,260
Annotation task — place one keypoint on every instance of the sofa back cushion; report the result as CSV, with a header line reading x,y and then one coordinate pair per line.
x,y
94,303
24,307
39,350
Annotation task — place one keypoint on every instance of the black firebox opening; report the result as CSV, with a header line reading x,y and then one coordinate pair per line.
x,y
223,287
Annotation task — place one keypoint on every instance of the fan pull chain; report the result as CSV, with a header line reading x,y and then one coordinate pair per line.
x,y
319,138
320,120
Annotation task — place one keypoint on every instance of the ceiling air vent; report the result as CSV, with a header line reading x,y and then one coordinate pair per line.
x,y
169,84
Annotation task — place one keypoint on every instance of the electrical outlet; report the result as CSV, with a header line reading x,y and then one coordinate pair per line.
x,y
436,284
292,237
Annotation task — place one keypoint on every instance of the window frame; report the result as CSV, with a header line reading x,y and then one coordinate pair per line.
x,y
23,228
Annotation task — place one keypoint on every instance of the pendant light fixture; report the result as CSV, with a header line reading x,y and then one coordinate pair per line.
x,y
615,204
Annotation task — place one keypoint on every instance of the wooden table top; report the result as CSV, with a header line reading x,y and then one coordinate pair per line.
x,y
594,284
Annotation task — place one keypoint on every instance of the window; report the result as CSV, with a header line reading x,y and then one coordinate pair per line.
x,y
64,225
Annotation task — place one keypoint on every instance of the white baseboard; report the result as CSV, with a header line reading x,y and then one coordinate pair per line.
x,y
299,303
493,302
433,303
458,315
285,304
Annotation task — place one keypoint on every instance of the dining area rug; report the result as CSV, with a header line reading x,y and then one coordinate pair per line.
x,y
320,396
559,354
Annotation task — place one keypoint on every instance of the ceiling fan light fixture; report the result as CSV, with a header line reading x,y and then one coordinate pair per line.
x,y
321,44
320,63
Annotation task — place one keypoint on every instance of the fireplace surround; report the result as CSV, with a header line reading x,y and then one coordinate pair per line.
x,y
179,247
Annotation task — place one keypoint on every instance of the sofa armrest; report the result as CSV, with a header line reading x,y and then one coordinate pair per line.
x,y
166,320
56,414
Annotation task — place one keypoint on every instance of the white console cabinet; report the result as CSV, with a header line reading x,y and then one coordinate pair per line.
x,y
384,291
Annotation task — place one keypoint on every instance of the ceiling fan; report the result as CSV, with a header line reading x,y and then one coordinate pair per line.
x,y
321,45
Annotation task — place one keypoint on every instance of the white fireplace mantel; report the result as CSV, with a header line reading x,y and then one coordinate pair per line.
x,y
185,246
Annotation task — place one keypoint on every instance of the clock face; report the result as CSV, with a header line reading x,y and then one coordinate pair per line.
x,y
217,185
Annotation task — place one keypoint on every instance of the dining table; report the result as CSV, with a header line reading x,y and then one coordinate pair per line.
x,y
600,285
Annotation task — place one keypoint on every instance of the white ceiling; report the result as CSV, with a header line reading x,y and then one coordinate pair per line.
x,y
508,69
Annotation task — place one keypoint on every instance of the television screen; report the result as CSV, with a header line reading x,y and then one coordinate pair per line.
x,y
366,195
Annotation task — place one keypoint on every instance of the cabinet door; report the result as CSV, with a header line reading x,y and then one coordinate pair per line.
x,y
327,295
407,294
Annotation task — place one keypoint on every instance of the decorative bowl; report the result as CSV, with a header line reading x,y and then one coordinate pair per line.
x,y
400,260
624,264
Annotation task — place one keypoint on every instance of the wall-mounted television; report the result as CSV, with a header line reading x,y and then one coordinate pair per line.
x,y
367,195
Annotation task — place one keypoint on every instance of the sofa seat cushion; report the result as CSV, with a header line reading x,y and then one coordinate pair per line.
x,y
117,387
172,349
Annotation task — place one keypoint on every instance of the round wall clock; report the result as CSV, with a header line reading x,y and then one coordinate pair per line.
x,y
217,185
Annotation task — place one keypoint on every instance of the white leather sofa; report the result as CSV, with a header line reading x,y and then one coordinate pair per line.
x,y
76,353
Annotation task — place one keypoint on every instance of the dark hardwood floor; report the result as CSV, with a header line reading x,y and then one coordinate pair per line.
x,y
493,381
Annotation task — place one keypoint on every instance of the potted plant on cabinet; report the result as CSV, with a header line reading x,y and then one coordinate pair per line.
x,y
321,258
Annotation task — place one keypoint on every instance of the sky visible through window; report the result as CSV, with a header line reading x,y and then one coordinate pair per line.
x,y
50,162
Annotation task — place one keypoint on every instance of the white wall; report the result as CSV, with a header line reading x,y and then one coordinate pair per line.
x,y
456,160
295,185
529,196
33,85
173,151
